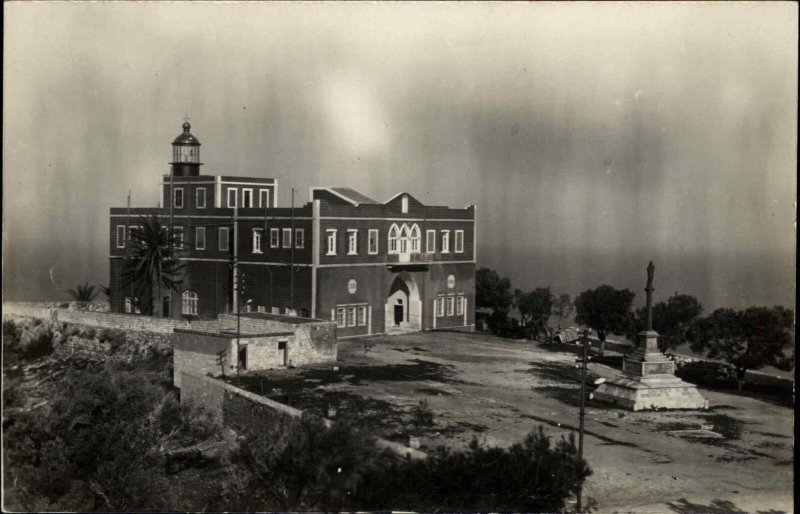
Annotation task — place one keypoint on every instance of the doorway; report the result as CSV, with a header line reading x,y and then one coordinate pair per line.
x,y
403,306
243,358
283,353
398,312
165,307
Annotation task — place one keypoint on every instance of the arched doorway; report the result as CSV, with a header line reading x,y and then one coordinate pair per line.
x,y
403,305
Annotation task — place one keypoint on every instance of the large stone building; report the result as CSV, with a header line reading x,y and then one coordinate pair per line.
x,y
372,267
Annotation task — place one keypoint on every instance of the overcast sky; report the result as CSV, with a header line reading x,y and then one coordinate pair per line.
x,y
592,137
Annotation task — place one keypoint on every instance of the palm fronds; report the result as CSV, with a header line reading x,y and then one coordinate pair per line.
x,y
83,293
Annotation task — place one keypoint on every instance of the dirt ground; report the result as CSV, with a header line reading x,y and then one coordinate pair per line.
x,y
448,388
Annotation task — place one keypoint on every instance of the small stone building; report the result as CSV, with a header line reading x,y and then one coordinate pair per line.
x,y
263,341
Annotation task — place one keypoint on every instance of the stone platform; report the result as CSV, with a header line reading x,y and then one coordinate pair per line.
x,y
648,381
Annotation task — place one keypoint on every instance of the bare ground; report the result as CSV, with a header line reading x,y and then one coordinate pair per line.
x,y
448,388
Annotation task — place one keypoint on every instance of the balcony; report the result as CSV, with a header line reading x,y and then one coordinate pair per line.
x,y
409,261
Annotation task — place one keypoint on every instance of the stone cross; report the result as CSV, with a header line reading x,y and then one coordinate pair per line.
x,y
649,290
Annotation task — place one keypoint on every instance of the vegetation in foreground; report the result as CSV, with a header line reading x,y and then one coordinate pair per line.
x,y
113,437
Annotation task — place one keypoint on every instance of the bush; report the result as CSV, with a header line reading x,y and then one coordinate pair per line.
x,y
36,342
531,476
708,374
301,465
100,428
114,336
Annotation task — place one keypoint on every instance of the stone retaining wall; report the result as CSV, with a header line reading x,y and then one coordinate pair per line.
x,y
239,409
96,319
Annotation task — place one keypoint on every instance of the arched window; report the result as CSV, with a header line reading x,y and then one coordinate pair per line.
x,y
415,239
404,239
393,233
189,302
128,305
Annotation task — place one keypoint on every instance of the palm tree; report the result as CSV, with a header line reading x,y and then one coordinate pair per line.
x,y
83,293
152,262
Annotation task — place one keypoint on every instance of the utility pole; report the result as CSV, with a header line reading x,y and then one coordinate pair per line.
x,y
291,265
171,228
583,362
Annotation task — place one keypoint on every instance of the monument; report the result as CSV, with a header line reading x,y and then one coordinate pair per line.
x,y
648,378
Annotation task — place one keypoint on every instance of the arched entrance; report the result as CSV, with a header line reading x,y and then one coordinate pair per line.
x,y
403,306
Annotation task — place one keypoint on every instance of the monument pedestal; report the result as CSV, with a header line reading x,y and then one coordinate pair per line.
x,y
648,381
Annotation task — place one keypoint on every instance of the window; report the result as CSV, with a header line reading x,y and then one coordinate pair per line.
x,y
445,241
257,233
352,242
120,236
404,205
372,238
177,198
200,197
403,241
440,306
232,197
200,238
247,198
177,241
331,250
287,238
430,241
451,304
340,317
189,302
261,308
131,230
275,310
415,239
460,305
263,198
351,316
299,238
274,238
393,236
361,315
459,241
224,239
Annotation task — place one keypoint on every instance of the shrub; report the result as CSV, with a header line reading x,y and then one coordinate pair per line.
x,y
36,342
532,476
114,336
708,374
301,465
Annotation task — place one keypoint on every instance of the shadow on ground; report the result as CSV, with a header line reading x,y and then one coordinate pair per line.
x,y
684,506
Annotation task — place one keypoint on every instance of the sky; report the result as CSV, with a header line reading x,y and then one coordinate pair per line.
x,y
592,137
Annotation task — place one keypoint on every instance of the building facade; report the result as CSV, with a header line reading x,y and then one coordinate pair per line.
x,y
372,267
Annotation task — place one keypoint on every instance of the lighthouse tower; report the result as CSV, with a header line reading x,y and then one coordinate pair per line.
x,y
186,154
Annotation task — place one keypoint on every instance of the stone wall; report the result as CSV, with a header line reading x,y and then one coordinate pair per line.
x,y
95,319
242,410
28,310
121,321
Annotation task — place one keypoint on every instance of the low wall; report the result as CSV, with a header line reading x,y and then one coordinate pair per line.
x,y
242,410
28,311
96,319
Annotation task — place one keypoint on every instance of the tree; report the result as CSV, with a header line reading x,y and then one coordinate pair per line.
x,y
562,307
535,308
671,319
492,291
153,262
605,309
83,293
746,340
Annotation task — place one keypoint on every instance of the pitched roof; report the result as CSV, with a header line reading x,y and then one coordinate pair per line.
x,y
353,195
